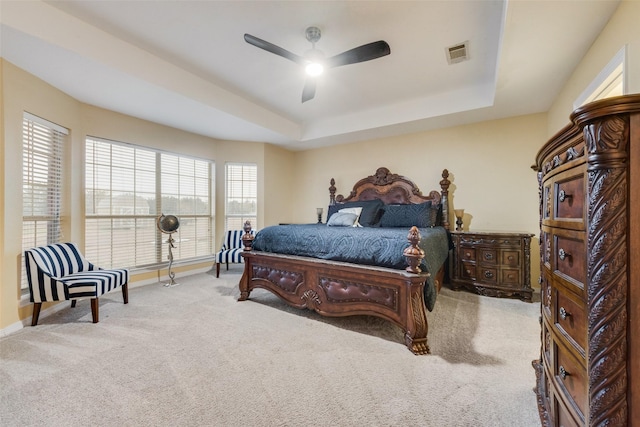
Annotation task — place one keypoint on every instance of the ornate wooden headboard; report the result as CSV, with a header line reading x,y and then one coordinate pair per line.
x,y
392,188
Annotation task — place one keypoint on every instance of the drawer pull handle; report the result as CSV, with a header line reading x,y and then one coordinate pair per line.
x,y
488,256
564,314
562,196
563,372
467,255
488,274
562,254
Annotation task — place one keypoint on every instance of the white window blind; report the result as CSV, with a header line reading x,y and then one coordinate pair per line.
x,y
42,183
241,202
127,187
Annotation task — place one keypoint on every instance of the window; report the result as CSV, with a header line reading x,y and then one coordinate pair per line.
x,y
241,202
127,187
609,83
42,173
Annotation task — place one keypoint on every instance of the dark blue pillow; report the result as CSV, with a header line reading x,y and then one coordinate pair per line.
x,y
420,215
372,211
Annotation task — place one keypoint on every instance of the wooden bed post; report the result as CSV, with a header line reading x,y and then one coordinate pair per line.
x,y
247,238
444,185
413,253
332,192
247,242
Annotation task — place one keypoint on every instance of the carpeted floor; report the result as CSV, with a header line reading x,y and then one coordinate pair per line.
x,y
191,355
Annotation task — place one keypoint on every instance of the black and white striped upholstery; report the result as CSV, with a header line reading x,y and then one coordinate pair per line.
x,y
231,249
59,272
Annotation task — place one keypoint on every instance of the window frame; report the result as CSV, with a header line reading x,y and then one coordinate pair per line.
x,y
147,197
600,87
248,190
43,159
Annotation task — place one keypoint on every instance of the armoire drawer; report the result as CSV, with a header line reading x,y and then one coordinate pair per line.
x,y
569,198
571,319
573,378
564,417
568,254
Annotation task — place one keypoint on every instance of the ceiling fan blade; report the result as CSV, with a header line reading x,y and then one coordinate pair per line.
x,y
309,90
270,47
362,53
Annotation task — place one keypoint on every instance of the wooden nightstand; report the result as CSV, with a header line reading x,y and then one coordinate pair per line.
x,y
496,264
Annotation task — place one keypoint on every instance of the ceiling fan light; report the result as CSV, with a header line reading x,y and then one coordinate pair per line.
x,y
314,69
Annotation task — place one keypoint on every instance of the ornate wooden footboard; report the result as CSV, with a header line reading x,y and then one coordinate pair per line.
x,y
344,289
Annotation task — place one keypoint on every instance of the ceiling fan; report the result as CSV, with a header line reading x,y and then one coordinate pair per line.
x,y
314,60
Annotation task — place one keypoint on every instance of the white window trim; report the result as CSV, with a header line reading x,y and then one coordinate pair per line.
x,y
160,262
588,95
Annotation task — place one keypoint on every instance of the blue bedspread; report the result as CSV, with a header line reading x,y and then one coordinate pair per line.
x,y
381,247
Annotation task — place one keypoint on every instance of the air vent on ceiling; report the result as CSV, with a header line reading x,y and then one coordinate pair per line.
x,y
458,53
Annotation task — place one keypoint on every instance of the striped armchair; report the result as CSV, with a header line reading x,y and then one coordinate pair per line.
x,y
231,249
59,272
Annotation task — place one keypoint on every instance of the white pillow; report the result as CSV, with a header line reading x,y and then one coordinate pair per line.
x,y
342,219
357,211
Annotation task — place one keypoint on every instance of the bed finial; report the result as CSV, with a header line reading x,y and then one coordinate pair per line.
x,y
413,253
444,185
247,238
332,192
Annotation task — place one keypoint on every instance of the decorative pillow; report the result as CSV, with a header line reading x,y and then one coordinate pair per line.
x,y
371,211
356,211
420,215
342,219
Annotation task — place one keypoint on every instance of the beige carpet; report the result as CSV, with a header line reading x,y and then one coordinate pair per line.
x,y
192,355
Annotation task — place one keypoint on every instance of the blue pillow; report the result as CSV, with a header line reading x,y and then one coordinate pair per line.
x,y
372,211
420,215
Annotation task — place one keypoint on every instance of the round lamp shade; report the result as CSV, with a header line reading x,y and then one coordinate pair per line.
x,y
168,223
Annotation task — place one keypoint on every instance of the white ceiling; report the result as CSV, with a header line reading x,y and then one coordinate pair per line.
x,y
185,63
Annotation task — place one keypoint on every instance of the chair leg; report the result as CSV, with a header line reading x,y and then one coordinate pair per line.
x,y
36,313
217,269
125,293
73,303
94,309
227,266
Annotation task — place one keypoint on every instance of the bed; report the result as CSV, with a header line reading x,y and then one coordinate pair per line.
x,y
399,285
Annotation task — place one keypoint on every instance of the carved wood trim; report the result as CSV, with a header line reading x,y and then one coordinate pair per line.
x,y
393,188
607,255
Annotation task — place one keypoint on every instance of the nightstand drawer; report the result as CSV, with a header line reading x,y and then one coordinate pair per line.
x,y
487,274
511,258
510,276
488,256
468,254
468,270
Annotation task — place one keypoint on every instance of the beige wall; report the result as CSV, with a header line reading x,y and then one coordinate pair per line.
x,y
622,29
22,91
